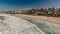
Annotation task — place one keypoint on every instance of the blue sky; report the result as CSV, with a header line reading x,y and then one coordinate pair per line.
x,y
15,4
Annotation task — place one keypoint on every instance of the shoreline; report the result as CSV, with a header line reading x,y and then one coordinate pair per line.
x,y
44,18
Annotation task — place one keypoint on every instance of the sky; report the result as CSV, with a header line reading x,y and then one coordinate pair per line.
x,y
17,4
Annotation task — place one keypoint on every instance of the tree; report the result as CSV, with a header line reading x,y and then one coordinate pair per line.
x,y
50,11
29,11
10,12
46,12
53,11
17,10
58,12
42,11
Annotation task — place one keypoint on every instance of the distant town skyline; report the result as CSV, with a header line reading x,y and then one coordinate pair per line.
x,y
6,5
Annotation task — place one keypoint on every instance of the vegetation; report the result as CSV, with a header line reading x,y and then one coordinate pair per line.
x,y
46,12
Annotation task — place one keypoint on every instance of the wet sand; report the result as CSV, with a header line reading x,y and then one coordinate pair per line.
x,y
44,18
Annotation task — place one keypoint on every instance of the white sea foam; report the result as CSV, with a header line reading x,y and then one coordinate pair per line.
x,y
14,25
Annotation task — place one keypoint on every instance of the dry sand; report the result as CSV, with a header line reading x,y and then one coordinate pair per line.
x,y
45,18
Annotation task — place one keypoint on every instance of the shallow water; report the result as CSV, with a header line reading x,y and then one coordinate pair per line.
x,y
46,27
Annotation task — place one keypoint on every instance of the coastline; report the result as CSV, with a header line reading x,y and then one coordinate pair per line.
x,y
44,18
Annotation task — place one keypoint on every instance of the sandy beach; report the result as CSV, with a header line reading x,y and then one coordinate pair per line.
x,y
46,24
44,18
